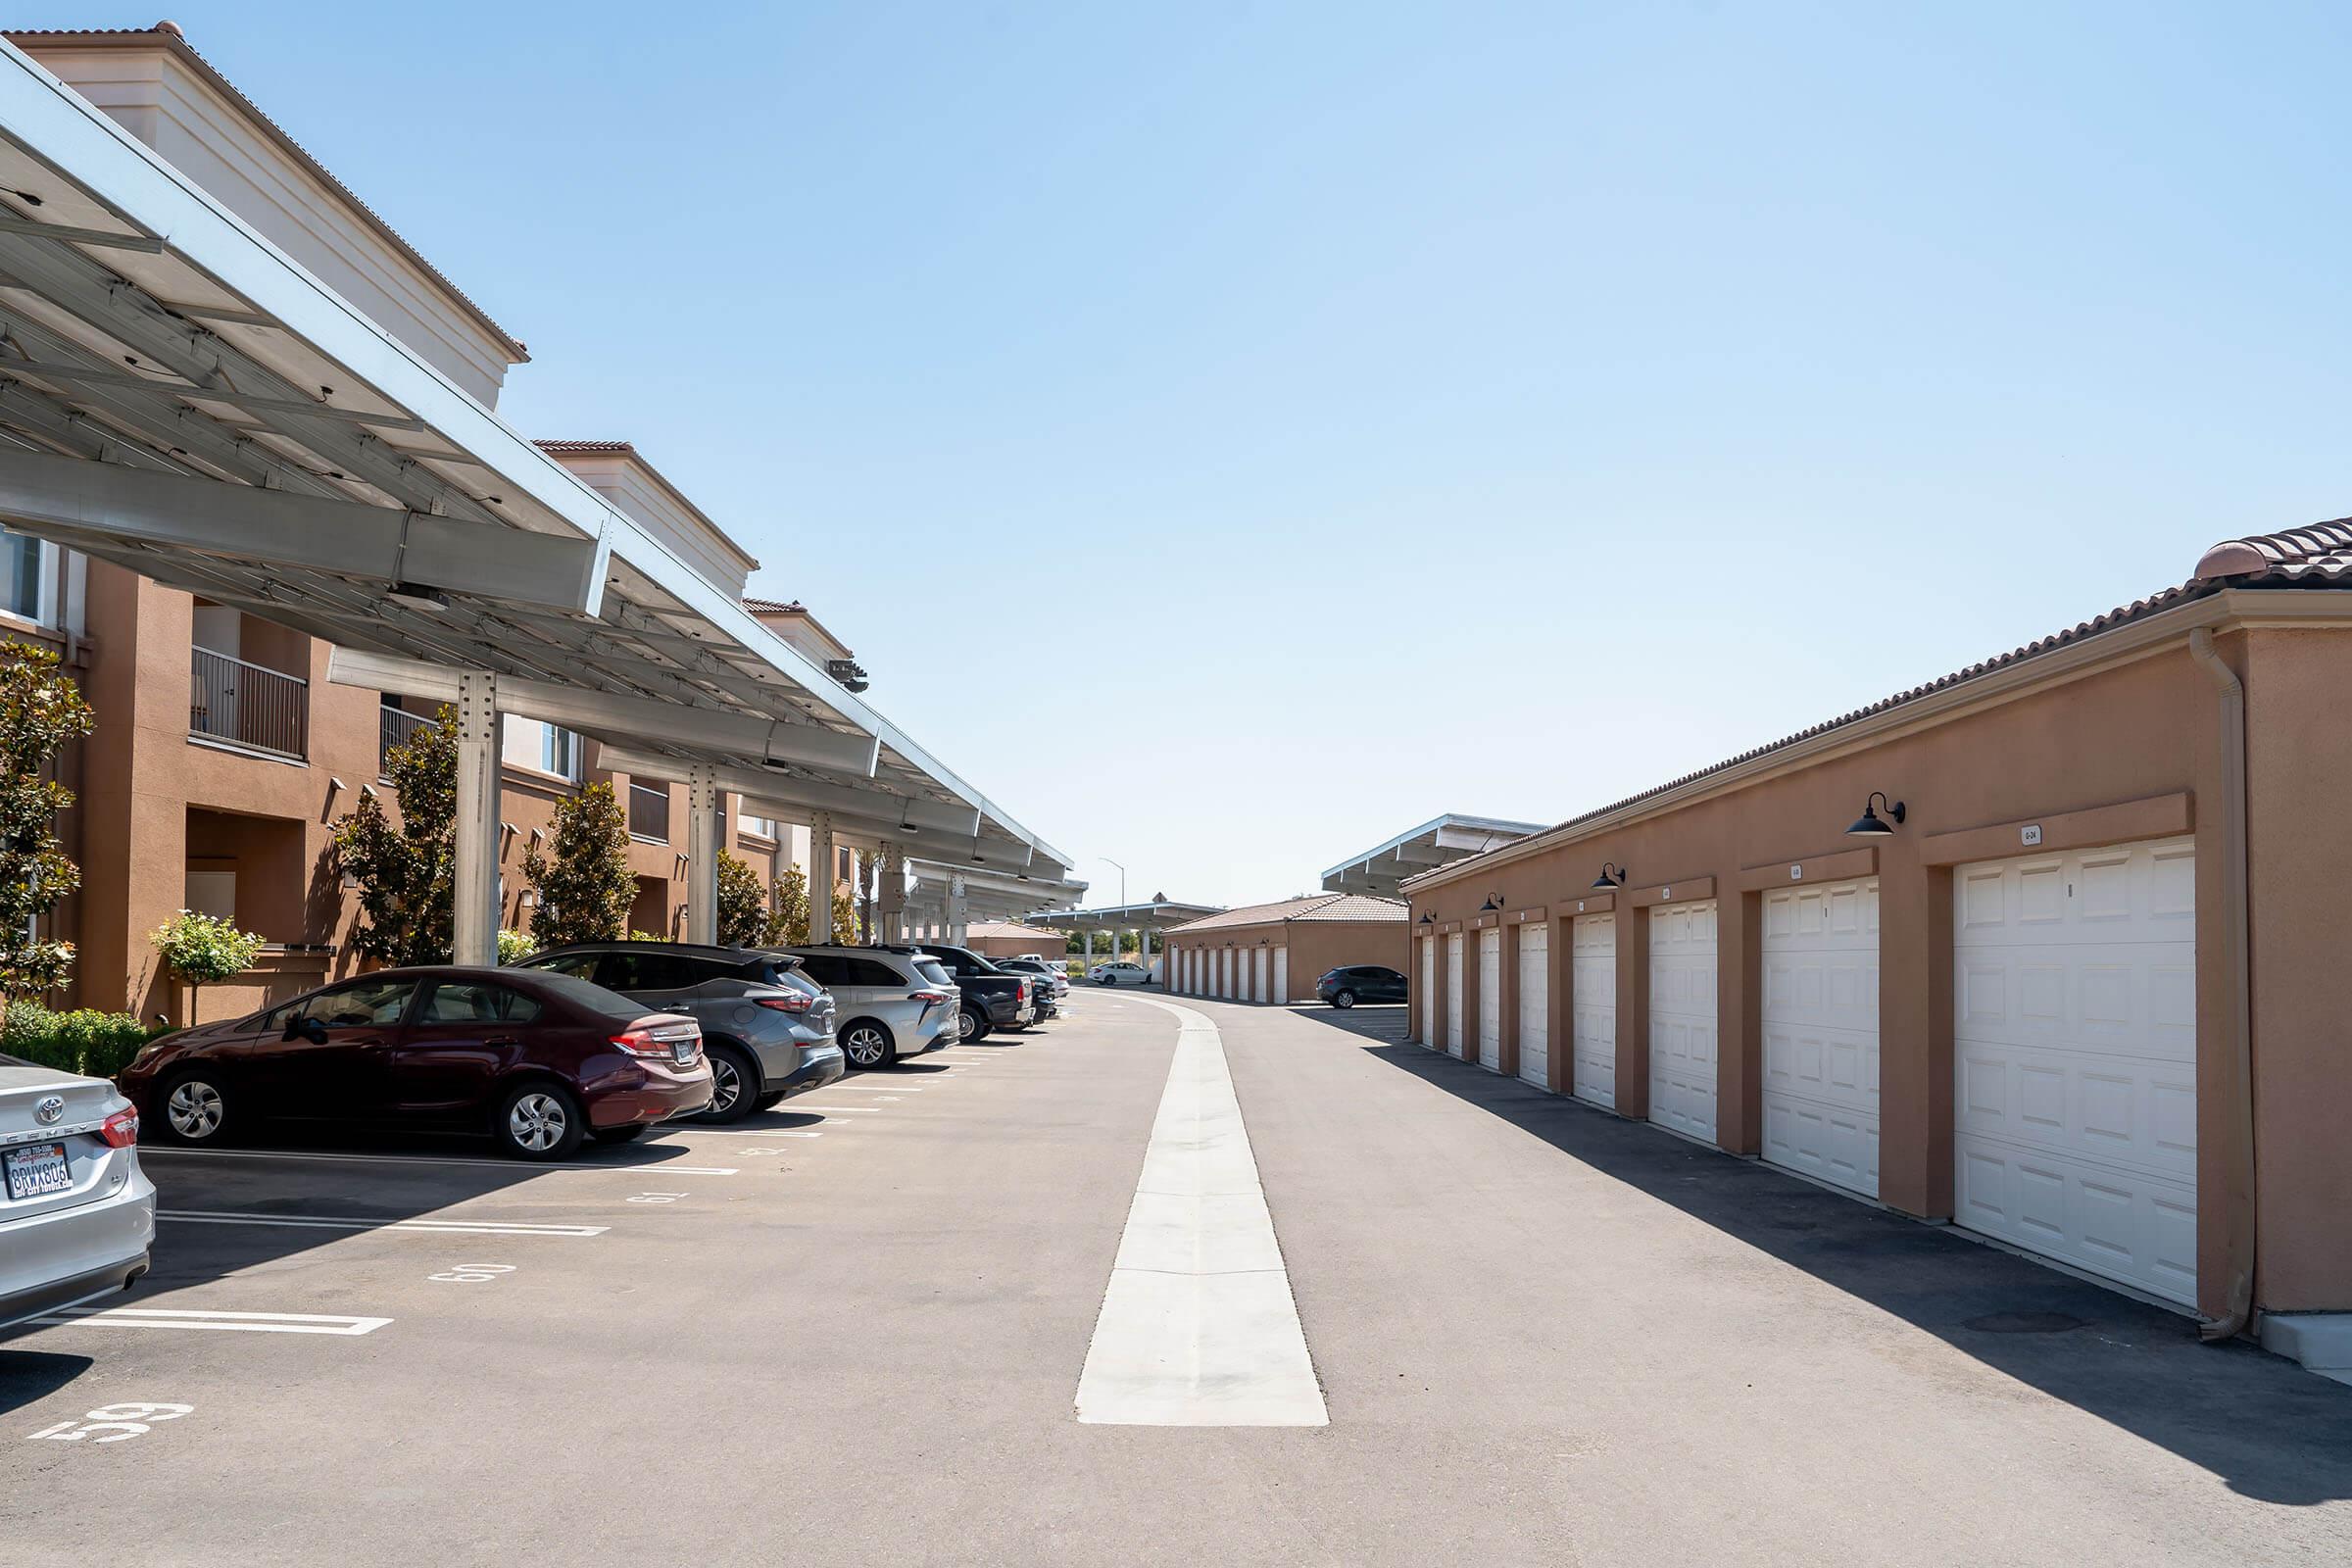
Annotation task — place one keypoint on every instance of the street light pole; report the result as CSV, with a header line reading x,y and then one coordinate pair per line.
x,y
1115,935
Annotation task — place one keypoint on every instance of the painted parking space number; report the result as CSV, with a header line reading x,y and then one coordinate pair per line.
x,y
657,1197
471,1273
113,1423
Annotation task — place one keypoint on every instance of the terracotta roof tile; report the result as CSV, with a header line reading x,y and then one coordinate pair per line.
x,y
2319,556
770,607
1315,906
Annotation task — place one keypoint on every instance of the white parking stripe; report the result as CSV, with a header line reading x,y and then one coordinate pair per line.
x,y
750,1132
843,1110
346,1222
876,1089
516,1165
154,1317
1198,1327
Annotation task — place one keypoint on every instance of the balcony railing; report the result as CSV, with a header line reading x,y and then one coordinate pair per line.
x,y
649,814
248,706
394,729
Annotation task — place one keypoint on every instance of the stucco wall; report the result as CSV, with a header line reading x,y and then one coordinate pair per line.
x,y
2139,740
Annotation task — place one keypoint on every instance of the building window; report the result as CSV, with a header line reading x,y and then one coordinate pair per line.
x,y
537,744
843,856
759,827
559,753
21,575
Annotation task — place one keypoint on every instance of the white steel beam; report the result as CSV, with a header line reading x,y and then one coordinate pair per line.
x,y
821,879
912,816
701,856
602,713
64,499
476,874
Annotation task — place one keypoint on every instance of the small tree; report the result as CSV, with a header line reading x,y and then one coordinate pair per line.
x,y
514,946
787,909
846,924
741,903
40,710
407,871
202,949
585,887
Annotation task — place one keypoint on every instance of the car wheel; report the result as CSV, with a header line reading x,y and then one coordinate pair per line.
x,y
620,1135
974,1026
539,1121
733,1081
196,1109
868,1045
1342,999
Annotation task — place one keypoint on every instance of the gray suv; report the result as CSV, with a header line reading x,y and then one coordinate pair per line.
x,y
767,1029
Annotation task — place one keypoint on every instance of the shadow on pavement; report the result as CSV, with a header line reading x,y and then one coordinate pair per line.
x,y
2271,1430
27,1376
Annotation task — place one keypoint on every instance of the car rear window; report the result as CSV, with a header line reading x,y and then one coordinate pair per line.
x,y
933,970
586,996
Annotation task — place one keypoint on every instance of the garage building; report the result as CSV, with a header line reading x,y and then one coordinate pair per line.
x,y
2047,948
1275,951
1008,939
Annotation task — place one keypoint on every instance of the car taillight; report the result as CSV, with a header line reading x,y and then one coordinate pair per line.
x,y
657,1040
1024,991
122,1129
928,999
790,1002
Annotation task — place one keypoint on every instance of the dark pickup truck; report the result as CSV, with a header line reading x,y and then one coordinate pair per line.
x,y
993,998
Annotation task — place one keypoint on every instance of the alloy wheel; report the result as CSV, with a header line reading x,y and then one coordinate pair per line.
x,y
194,1109
865,1045
726,1084
537,1122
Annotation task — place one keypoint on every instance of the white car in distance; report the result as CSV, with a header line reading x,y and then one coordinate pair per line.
x,y
1122,973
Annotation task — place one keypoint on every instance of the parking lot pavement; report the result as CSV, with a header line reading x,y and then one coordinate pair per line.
x,y
854,1334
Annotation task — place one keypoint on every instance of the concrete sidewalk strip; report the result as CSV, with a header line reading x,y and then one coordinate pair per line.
x,y
1198,1327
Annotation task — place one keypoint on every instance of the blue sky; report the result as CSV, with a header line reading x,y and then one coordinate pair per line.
x,y
1232,432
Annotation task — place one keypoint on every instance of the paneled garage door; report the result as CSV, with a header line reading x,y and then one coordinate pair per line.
x,y
1263,979
1282,975
1821,1032
1535,1005
2076,1044
1453,995
1489,1000
1426,1001
1592,958
1224,971
1681,1018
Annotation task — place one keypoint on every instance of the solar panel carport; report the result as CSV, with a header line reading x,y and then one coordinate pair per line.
x,y
1380,871
179,397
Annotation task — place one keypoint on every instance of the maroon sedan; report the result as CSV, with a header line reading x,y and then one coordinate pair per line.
x,y
540,1060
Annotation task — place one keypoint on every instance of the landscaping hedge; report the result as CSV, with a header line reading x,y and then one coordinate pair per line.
x,y
98,1045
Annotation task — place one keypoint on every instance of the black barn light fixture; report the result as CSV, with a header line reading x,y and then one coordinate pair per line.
x,y
1611,878
1490,907
1870,825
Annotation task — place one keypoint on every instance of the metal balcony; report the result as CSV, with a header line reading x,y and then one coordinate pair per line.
x,y
246,706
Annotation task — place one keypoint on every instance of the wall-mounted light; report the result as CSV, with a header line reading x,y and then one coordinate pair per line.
x,y
1612,876
1870,825
1490,907
1429,919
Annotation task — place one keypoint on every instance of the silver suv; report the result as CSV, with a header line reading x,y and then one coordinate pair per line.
x,y
767,1029
892,1005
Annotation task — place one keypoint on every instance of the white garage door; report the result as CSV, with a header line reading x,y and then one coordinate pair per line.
x,y
1453,995
1535,1005
1593,958
1224,971
1266,973
2076,1044
1427,1000
1681,1018
1240,974
1821,1032
1489,1000
1282,975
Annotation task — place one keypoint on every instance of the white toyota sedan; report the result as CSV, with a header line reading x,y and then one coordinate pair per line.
x,y
1122,973
77,1213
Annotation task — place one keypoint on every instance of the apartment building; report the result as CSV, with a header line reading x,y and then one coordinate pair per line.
x,y
224,754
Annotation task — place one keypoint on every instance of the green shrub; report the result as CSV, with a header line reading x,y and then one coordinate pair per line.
x,y
514,946
85,1041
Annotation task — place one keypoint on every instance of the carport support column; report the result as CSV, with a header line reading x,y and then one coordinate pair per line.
x,y
820,880
894,893
957,920
478,833
701,853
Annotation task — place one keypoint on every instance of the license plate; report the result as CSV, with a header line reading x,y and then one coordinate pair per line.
x,y
36,1171
681,1052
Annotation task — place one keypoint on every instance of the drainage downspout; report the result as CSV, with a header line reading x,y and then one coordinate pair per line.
x,y
2240,1301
